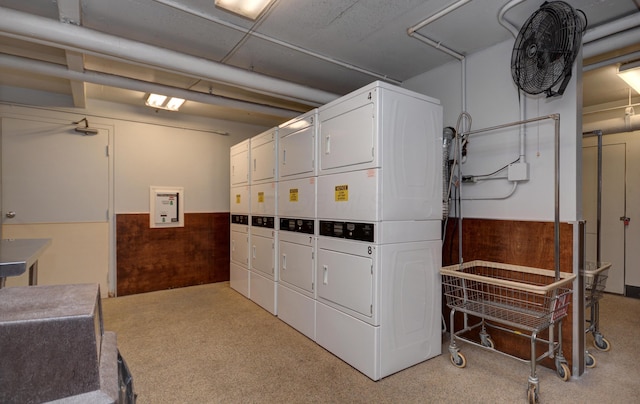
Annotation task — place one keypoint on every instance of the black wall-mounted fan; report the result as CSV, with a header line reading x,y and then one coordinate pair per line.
x,y
546,48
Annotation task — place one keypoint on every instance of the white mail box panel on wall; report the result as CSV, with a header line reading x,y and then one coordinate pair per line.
x,y
297,147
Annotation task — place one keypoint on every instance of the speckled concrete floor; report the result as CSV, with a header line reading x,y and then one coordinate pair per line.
x,y
209,344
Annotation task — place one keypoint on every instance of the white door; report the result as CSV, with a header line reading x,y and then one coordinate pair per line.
x,y
613,208
56,184
52,174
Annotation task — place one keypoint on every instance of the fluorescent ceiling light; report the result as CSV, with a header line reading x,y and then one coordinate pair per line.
x,y
156,100
160,101
175,103
630,72
247,8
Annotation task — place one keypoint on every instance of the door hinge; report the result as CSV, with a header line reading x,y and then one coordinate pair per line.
x,y
107,150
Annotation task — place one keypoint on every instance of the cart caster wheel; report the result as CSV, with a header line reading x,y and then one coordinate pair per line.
x,y
532,395
602,344
564,372
458,360
488,342
590,361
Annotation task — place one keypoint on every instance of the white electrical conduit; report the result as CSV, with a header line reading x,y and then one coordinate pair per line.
x,y
56,70
42,30
506,23
523,99
213,18
412,32
487,198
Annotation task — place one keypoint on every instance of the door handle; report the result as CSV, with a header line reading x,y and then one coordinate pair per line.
x,y
625,219
11,214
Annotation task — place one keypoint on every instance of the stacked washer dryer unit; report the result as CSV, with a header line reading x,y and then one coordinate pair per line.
x,y
263,229
240,208
379,210
297,176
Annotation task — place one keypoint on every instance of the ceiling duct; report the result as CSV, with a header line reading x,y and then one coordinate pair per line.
x,y
71,37
55,70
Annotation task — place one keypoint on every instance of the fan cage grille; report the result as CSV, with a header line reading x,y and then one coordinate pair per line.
x,y
546,47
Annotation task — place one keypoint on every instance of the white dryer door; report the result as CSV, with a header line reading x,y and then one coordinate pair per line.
x,y
346,280
296,265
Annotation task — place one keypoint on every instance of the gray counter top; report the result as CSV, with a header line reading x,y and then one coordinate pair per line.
x,y
17,255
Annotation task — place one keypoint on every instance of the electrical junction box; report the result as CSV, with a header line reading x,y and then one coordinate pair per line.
x,y
166,207
518,172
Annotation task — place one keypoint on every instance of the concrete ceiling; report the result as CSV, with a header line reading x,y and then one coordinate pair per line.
x,y
298,55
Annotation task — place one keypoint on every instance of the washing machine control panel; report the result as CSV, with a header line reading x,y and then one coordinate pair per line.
x,y
348,230
240,219
263,221
306,226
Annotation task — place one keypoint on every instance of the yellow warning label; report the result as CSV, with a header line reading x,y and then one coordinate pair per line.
x,y
342,193
260,197
238,198
293,195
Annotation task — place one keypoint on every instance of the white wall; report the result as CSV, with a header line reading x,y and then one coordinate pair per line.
x,y
492,99
148,155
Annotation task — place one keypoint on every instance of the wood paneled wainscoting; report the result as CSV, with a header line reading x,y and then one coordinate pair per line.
x,y
524,243
157,259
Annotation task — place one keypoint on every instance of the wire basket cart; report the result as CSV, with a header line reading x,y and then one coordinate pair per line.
x,y
595,278
510,298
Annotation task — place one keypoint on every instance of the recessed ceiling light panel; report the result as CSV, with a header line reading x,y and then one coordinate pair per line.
x,y
250,9
630,72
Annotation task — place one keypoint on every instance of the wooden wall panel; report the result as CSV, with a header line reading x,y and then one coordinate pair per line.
x,y
523,243
157,259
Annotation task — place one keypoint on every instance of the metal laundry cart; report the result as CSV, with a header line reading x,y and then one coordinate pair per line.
x,y
595,277
516,299
521,300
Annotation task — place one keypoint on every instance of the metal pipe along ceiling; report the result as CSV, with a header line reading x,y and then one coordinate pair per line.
x,y
55,70
71,37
